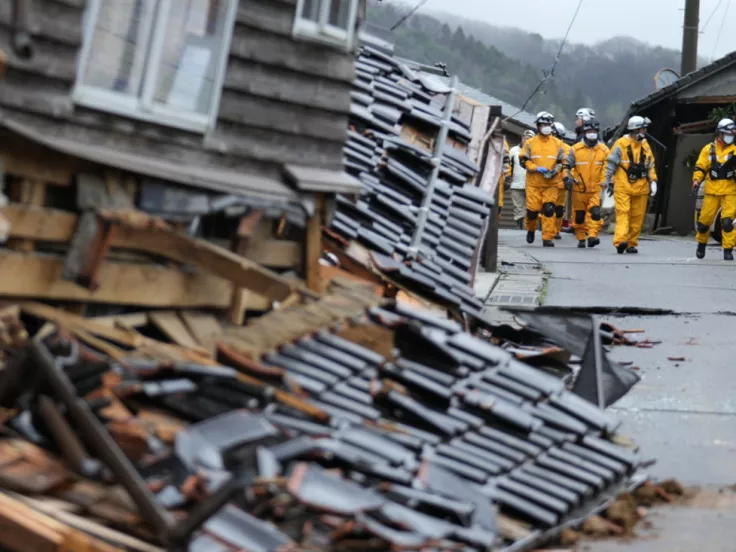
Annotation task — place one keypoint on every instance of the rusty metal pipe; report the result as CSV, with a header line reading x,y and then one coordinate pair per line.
x,y
100,441
71,448
21,40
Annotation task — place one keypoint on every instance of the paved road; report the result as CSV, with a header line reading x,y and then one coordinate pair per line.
x,y
683,413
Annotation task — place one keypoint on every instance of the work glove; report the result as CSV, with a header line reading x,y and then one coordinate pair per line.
x,y
542,170
696,187
653,188
568,183
609,187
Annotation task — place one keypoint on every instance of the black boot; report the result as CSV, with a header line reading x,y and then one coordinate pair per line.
x,y
623,246
558,237
728,254
633,250
530,236
592,242
548,243
581,244
700,251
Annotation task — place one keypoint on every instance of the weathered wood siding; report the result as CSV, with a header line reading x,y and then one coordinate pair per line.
x,y
283,100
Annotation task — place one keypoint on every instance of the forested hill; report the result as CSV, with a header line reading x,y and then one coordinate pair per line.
x,y
507,63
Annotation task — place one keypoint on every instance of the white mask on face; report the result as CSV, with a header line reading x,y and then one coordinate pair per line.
x,y
591,136
546,130
728,139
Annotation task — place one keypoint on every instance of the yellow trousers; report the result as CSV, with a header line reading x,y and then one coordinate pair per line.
x,y
560,204
583,223
708,211
630,211
536,197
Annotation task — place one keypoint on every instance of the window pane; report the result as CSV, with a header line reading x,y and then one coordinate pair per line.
x,y
339,13
117,52
192,47
310,9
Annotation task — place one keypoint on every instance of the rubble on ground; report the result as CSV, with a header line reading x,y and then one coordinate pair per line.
x,y
341,424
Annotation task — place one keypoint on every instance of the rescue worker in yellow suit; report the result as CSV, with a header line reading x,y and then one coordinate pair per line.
x,y
715,168
631,178
558,131
505,174
542,158
585,175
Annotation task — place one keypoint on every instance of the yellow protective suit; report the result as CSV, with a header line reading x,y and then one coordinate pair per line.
x,y
561,202
541,192
505,173
630,197
719,193
587,166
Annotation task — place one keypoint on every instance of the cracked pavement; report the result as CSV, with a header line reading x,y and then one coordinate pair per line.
x,y
682,413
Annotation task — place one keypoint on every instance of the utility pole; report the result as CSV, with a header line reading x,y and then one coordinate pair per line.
x,y
690,32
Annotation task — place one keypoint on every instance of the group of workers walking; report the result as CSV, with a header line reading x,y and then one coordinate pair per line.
x,y
544,170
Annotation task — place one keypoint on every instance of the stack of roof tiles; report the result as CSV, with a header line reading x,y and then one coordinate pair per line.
x,y
395,175
413,448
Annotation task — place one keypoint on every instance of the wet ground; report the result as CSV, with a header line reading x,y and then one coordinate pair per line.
x,y
683,412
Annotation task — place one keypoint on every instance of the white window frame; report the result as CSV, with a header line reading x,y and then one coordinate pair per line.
x,y
143,106
322,31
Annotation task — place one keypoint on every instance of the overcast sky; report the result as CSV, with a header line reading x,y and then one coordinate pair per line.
x,y
654,21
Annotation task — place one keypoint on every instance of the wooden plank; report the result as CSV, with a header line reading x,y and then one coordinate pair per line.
x,y
147,285
313,245
27,192
239,306
251,43
68,320
275,253
183,249
173,327
276,133
32,223
131,320
203,327
24,159
287,86
49,225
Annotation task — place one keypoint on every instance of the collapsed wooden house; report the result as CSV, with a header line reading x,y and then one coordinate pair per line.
x,y
225,118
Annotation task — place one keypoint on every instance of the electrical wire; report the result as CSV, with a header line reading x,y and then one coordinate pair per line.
x,y
707,21
551,73
403,19
720,30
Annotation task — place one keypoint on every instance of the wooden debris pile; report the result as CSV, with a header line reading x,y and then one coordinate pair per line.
x,y
342,424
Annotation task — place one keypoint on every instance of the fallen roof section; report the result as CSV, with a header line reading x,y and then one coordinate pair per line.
x,y
377,427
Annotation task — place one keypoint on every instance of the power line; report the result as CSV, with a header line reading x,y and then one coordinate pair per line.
x,y
720,30
551,73
718,5
414,10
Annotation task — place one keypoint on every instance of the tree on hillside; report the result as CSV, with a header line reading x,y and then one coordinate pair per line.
x,y
507,63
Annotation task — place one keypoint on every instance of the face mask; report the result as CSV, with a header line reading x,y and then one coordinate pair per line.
x,y
545,131
591,136
728,139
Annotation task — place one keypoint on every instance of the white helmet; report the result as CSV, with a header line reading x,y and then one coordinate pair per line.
x,y
544,118
585,113
559,129
530,133
726,126
636,122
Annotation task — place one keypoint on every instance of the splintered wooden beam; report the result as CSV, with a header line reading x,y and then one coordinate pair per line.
x,y
58,227
152,237
29,275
